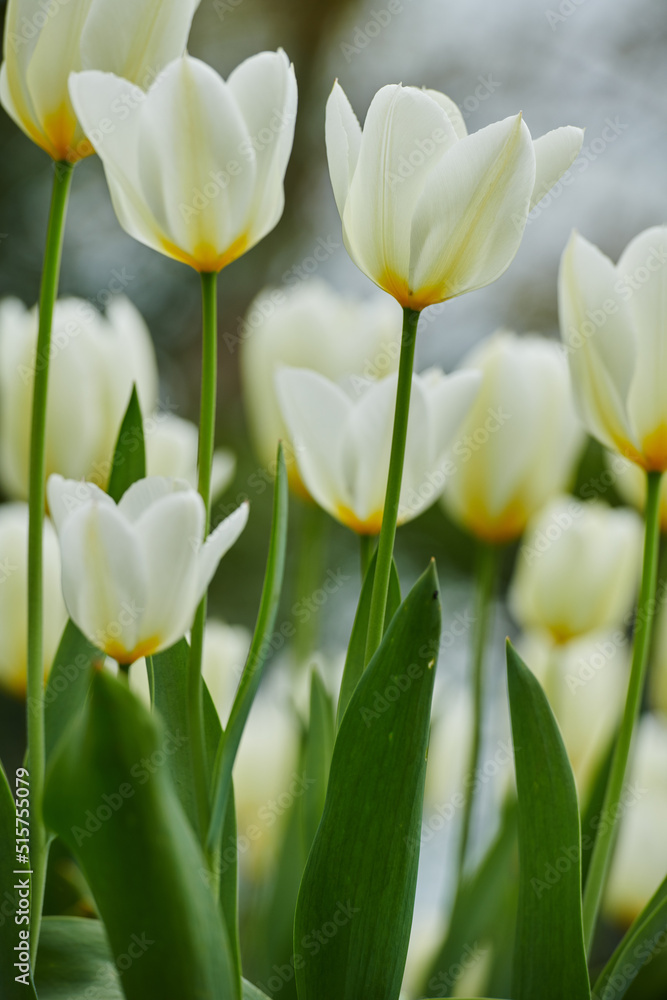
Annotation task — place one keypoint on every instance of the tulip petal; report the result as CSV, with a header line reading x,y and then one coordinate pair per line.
x,y
642,274
482,190
452,111
555,153
145,492
68,495
217,544
406,136
170,532
367,447
132,345
265,90
135,40
343,140
316,412
105,584
600,342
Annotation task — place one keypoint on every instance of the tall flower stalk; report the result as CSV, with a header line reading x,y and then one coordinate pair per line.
x,y
62,178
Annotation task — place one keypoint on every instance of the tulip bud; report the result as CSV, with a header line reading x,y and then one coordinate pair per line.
x,y
428,211
310,326
342,440
45,43
578,568
14,599
171,450
612,323
520,440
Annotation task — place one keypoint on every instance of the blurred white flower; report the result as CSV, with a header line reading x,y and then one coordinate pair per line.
x,y
639,863
134,573
310,326
612,323
430,212
44,43
171,450
342,440
14,596
578,568
196,166
94,361
519,443
630,482
585,681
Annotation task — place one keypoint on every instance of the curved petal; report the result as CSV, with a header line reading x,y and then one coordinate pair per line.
x,y
367,447
452,111
482,188
343,140
555,153
146,492
68,495
217,544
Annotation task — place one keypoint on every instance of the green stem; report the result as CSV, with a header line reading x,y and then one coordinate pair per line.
x,y
487,569
124,673
396,462
366,546
606,838
35,660
206,442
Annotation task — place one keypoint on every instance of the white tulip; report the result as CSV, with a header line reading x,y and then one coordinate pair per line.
x,y
520,440
14,596
46,42
639,864
430,212
629,481
578,568
95,360
171,450
310,326
612,323
342,440
586,682
134,573
196,166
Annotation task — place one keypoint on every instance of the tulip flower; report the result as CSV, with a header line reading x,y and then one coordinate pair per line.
x,y
134,573
578,568
310,326
94,361
629,481
342,443
45,43
13,597
207,200
640,858
171,451
519,443
612,323
585,680
428,211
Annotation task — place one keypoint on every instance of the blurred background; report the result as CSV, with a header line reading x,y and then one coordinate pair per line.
x,y
599,64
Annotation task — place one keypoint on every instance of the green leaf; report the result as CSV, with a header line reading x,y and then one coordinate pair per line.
x,y
129,460
316,758
643,940
354,910
251,992
68,684
356,650
259,650
549,957
109,797
75,963
484,910
9,899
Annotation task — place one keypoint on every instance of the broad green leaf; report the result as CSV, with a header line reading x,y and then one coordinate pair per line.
x,y
484,912
75,963
259,651
251,992
316,758
129,460
354,910
68,684
109,797
9,899
356,650
644,939
549,956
